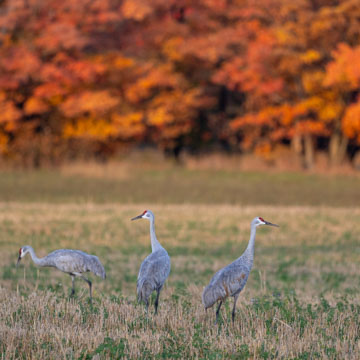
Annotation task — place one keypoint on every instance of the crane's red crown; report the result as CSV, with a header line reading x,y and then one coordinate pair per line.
x,y
144,212
20,251
261,219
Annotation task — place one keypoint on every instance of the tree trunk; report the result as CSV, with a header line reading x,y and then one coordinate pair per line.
x,y
337,148
296,144
309,151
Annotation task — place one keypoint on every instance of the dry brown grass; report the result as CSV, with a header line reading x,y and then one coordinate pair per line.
x,y
42,326
302,299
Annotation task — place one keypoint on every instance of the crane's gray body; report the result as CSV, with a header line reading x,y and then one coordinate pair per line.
x,y
155,269
72,262
153,273
230,280
75,262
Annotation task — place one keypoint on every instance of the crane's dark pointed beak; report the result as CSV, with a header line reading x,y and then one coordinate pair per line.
x,y
19,258
137,217
270,224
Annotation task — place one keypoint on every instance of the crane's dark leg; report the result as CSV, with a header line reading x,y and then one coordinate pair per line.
x,y
217,312
233,312
73,285
157,299
146,305
90,285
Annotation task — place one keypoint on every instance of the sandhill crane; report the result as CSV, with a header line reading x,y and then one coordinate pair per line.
x,y
230,280
72,262
155,269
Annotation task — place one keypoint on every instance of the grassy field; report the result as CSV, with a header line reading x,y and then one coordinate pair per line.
x,y
302,300
129,184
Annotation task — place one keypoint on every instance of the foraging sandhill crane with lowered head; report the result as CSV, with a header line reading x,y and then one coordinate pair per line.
x,y
230,280
155,269
72,262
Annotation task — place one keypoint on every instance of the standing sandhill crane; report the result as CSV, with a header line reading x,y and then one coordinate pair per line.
x,y
155,269
230,280
72,262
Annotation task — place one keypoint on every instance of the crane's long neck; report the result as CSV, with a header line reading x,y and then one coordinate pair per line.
x,y
249,252
38,261
155,245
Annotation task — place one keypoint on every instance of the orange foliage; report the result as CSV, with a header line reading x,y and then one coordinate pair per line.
x,y
345,69
35,105
8,110
92,102
129,126
351,122
136,9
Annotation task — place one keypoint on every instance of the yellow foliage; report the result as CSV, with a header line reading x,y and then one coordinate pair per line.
x,y
159,116
123,126
312,81
326,105
56,100
310,56
128,125
314,103
121,62
99,129
330,111
171,48
113,59
128,119
283,36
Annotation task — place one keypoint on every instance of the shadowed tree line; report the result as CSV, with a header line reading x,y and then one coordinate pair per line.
x,y
92,77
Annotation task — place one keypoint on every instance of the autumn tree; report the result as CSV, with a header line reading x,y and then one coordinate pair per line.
x,y
274,57
93,76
